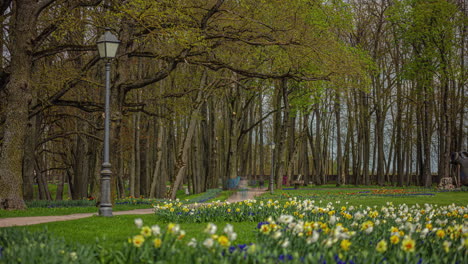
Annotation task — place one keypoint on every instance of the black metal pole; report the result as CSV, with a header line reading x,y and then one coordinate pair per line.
x,y
105,207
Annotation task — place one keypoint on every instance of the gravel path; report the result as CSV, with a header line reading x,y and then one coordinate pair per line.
x,y
244,193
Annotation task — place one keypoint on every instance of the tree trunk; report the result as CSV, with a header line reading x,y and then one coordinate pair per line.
x,y
18,98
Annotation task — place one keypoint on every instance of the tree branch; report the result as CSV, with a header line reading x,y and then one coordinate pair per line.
x,y
52,51
43,4
210,13
66,134
216,65
67,87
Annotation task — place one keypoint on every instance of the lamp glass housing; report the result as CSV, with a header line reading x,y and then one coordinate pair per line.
x,y
108,45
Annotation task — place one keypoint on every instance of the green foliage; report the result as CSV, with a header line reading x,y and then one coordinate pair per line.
x,y
22,246
65,203
427,31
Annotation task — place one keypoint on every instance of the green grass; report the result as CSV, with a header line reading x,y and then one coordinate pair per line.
x,y
65,211
91,209
352,196
223,196
114,231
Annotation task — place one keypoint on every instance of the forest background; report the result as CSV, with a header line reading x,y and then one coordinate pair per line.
x,y
371,91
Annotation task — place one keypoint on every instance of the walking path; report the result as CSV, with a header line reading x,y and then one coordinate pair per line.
x,y
244,193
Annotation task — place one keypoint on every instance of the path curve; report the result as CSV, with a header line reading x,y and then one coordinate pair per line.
x,y
244,193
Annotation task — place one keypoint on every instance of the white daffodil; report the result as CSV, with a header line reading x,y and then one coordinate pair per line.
x,y
156,230
277,234
285,219
138,222
228,229
208,242
211,229
332,220
312,239
192,242
285,244
232,236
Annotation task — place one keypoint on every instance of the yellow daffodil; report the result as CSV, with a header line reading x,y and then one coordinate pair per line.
x,y
394,239
138,240
157,242
265,229
146,231
223,241
446,246
408,245
345,244
440,233
366,225
381,246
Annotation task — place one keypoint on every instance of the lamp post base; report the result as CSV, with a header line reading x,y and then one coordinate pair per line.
x,y
105,210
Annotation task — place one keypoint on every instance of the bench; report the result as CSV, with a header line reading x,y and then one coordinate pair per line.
x,y
298,182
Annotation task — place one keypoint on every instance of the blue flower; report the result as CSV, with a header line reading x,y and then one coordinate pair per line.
x,y
232,249
242,246
285,257
262,223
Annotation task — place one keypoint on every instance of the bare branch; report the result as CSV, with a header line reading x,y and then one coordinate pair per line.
x,y
52,51
66,134
217,65
210,13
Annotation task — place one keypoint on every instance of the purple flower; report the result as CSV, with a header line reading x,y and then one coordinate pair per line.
x,y
262,223
285,257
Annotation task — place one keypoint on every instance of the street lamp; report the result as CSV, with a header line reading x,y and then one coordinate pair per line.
x,y
272,145
107,46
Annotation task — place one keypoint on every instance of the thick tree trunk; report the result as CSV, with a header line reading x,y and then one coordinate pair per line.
x,y
29,159
18,98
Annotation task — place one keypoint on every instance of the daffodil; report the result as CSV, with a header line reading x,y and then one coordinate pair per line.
x,y
146,231
440,233
138,240
156,230
446,245
381,246
408,244
157,242
138,222
394,239
345,244
208,242
223,241
211,228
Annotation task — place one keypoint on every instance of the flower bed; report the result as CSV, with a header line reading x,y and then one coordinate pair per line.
x,y
297,231
365,237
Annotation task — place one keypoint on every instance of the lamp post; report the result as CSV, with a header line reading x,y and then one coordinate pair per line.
x,y
272,144
107,46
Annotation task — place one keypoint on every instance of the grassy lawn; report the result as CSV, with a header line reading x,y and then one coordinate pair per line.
x,y
39,211
65,211
369,196
113,232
